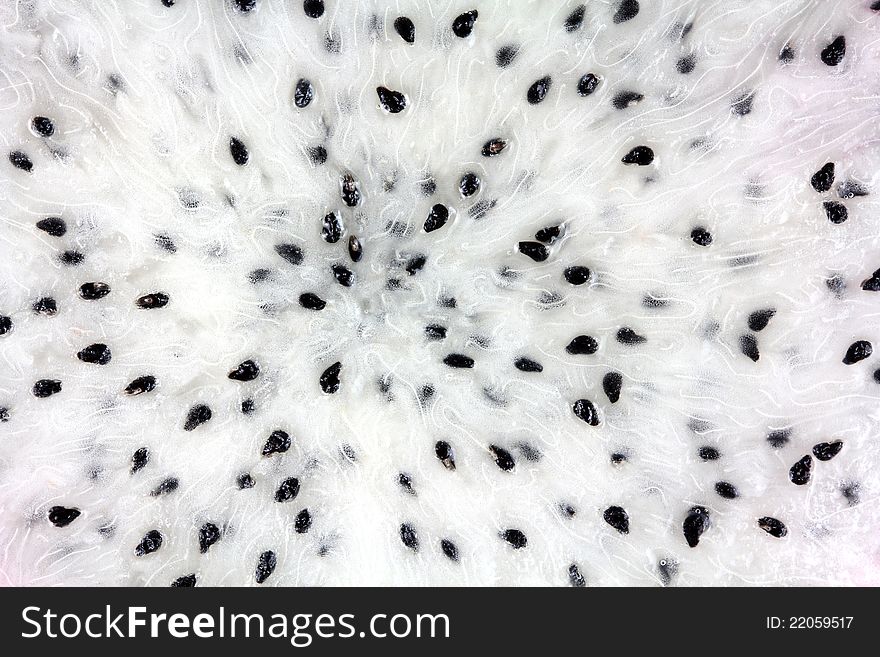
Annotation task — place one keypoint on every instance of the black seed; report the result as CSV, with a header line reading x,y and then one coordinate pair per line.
x,y
612,382
515,537
290,252
197,416
415,264
503,458
55,226
469,184
743,104
749,346
247,370
342,274
154,300
405,28
449,549
701,236
437,218
772,526
238,151
626,335
640,155
834,52
435,331
584,410
288,490
575,578
46,306
505,56
245,6
534,250
667,569
759,319
779,438
311,301
98,354
187,581
61,516
313,8
4,414
588,83
317,155
835,211
392,102
139,459
43,126
872,284
303,93
459,361
355,252
617,458
726,490
329,380
575,18
576,275
140,385
539,90
801,471
851,189
71,258
46,387
582,345
5,324
265,566
624,99
303,522
277,443
21,161
209,534
695,523
444,452
151,542
708,453
858,350
93,291
686,64
405,482
493,147
409,537
463,24
827,451
524,364
877,376
331,228
168,485
627,10
618,518
245,481
349,191
822,180
786,55
549,234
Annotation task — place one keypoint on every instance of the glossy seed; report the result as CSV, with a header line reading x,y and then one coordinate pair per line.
x,y
612,383
505,55
349,191
405,28
627,336
493,147
46,306
409,537
701,236
857,351
151,542
582,345
872,284
265,566
515,538
355,252
827,451
54,226
759,319
800,472
61,516
695,524
588,83
586,411
524,364
437,218
748,345
303,522
238,151
20,160
97,354
576,275
503,458
822,180
311,301
277,443
469,184
835,211
392,102
154,300
329,380
708,453
640,155
449,549
46,388
139,459
574,19
406,484
93,291
459,361
726,490
71,258
772,526
43,126
618,518
834,52
435,332
548,234
626,10
244,6
342,274
141,385
444,453
245,481
209,534
463,24
247,370
624,99
287,490
534,250
197,416
303,93
538,90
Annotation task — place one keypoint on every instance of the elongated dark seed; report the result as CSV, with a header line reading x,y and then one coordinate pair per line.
x,y
582,345
449,549
55,226
331,228
151,542
515,538
624,99
626,10
444,452
247,370
701,236
311,301
409,537
494,147
349,191
857,351
245,481
469,184
574,19
303,93
244,6
20,160
277,443
391,101
329,379
209,534
801,471
612,382
695,524
759,319
139,459
503,458
342,274
71,258
822,180
827,451
415,264
46,306
524,364
708,453
151,301
463,24
772,526
287,490
303,522
97,354
437,218
834,52
749,346
584,410
835,211
46,387
197,416
726,490
872,284
577,274
588,83
43,126
435,331
61,516
575,578
265,566
141,385
505,55
405,482
640,155
405,28
618,518
185,582
168,485
534,250
238,151
549,234
539,89
93,291
459,361
355,252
